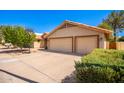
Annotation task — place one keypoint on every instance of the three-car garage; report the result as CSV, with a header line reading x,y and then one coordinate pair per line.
x,y
74,37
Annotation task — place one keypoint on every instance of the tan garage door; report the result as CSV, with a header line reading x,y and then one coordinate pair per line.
x,y
61,44
85,45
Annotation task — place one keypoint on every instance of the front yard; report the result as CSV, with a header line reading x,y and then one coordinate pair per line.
x,y
51,67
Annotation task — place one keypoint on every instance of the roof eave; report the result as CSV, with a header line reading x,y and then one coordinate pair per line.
x,y
82,25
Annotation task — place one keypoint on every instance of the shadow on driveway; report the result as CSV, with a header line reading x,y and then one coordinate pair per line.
x,y
66,53
4,50
70,78
19,77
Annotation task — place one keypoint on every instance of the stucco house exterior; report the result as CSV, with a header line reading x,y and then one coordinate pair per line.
x,y
37,43
75,37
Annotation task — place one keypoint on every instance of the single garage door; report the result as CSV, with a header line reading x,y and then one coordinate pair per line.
x,y
85,45
61,44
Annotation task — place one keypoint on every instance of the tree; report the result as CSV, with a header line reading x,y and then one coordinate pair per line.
x,y
18,36
116,20
25,37
1,34
105,26
30,38
121,39
9,34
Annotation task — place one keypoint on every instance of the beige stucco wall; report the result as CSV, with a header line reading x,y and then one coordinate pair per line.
x,y
61,44
37,44
78,31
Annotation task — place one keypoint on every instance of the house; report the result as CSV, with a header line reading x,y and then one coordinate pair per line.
x,y
76,38
44,43
39,37
38,43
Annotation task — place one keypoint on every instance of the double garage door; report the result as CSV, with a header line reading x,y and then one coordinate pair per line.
x,y
81,45
85,45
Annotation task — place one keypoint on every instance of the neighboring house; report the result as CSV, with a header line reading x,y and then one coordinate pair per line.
x,y
75,37
44,43
38,43
39,38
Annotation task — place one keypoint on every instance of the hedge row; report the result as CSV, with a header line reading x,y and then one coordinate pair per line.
x,y
101,66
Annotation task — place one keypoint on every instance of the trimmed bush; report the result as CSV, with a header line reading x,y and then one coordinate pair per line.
x,y
101,66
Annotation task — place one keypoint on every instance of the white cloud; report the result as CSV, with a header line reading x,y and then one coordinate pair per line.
x,y
38,33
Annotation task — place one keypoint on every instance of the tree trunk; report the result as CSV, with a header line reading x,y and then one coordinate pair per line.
x,y
115,35
29,50
115,38
21,50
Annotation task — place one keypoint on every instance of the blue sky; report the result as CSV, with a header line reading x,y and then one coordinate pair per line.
x,y
46,20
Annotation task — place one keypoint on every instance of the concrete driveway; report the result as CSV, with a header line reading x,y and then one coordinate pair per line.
x,y
42,66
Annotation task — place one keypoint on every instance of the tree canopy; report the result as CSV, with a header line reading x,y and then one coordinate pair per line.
x,y
18,36
121,38
105,26
116,20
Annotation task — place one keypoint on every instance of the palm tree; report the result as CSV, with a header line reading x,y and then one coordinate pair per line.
x,y
116,20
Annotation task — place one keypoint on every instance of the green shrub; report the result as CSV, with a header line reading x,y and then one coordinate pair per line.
x,y
121,39
101,66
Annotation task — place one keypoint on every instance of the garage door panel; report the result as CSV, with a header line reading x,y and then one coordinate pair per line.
x,y
85,45
61,44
